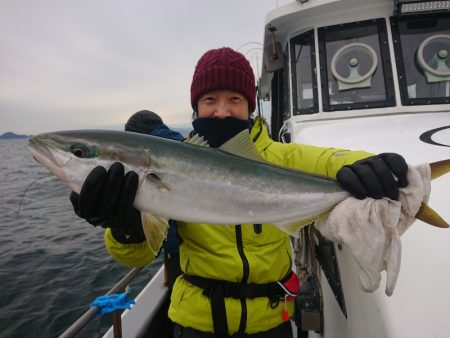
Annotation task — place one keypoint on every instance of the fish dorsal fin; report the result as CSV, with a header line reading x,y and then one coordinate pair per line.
x,y
197,140
241,145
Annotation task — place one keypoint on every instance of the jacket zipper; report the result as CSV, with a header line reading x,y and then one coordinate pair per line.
x,y
246,272
257,228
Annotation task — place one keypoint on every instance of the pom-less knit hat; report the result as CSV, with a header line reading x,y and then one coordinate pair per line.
x,y
143,122
223,68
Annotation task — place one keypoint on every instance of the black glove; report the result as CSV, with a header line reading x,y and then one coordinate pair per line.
x,y
376,176
106,199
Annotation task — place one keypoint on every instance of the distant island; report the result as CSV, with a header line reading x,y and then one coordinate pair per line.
x,y
10,135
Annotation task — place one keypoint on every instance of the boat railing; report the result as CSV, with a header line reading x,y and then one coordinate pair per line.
x,y
85,319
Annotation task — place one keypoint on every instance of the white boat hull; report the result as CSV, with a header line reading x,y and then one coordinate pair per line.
x,y
420,305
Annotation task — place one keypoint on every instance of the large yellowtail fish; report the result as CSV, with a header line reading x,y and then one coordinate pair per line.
x,y
191,182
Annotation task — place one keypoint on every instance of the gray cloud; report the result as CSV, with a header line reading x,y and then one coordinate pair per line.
x,y
90,64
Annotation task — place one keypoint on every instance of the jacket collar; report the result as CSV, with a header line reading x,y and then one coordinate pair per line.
x,y
260,135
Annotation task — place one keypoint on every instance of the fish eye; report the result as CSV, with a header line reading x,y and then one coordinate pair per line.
x,y
78,152
83,151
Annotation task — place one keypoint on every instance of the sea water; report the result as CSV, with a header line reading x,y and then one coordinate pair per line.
x,y
52,263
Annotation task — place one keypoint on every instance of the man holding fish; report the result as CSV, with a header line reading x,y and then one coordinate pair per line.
x,y
237,278
223,96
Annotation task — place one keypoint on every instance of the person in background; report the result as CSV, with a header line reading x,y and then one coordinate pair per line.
x,y
237,279
150,123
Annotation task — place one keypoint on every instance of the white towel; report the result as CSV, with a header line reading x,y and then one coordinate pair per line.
x,y
372,228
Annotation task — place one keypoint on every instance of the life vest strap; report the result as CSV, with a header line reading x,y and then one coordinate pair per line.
x,y
217,290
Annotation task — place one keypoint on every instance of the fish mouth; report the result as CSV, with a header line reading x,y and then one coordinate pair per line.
x,y
39,150
49,156
43,151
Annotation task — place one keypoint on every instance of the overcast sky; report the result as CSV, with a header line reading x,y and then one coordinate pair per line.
x,y
91,64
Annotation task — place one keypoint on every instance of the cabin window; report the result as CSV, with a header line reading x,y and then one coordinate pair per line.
x,y
304,83
422,48
355,66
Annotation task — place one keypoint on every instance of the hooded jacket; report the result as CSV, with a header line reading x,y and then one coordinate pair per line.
x,y
243,253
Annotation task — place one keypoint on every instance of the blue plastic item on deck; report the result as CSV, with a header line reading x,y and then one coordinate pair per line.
x,y
110,303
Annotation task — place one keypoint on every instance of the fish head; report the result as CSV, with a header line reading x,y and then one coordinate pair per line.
x,y
71,155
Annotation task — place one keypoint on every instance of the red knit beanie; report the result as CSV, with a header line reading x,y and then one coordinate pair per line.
x,y
223,68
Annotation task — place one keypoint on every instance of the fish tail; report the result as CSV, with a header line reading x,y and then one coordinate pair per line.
x,y
155,231
439,168
426,213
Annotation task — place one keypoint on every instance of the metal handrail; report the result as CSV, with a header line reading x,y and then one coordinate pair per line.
x,y
81,322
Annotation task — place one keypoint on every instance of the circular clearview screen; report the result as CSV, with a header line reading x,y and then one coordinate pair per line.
x,y
433,55
354,64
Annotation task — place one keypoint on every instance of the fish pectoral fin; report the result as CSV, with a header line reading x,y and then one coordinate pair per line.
x,y
242,145
155,179
428,215
155,231
439,168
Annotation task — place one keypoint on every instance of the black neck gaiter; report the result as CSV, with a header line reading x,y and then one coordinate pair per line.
x,y
217,131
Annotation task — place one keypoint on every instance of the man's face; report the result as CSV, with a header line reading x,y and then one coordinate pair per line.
x,y
223,103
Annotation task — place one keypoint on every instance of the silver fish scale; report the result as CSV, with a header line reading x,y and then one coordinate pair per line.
x,y
211,187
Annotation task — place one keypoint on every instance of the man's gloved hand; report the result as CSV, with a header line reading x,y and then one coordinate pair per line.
x,y
376,176
106,199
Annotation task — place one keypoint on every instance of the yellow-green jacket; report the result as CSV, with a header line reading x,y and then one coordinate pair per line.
x,y
237,253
